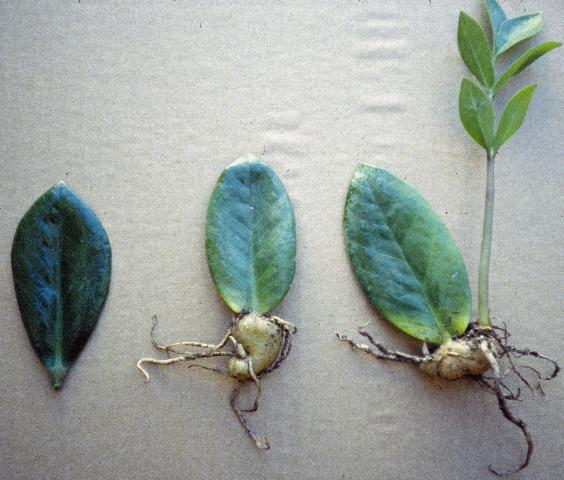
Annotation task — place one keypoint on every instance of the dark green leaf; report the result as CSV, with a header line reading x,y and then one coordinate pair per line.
x,y
513,115
516,30
495,14
524,61
476,113
251,237
474,49
404,257
61,262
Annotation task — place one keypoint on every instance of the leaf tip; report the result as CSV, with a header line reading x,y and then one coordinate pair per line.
x,y
463,18
248,158
57,376
362,166
529,89
362,169
61,184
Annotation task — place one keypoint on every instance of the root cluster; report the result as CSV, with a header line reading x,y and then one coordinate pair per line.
x,y
246,357
472,355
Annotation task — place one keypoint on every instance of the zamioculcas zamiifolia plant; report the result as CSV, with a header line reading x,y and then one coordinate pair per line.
x,y
61,263
404,257
251,249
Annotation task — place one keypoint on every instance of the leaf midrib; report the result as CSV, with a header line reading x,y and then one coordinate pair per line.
x,y
430,305
58,347
254,300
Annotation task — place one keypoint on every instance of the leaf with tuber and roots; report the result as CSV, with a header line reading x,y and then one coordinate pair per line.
x,y
414,275
404,257
251,249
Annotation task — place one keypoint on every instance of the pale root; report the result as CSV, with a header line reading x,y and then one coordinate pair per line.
x,y
261,340
261,345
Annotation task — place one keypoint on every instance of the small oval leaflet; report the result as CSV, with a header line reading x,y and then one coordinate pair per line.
x,y
251,237
474,49
61,263
476,113
404,257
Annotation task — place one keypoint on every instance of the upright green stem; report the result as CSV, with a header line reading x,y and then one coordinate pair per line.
x,y
486,250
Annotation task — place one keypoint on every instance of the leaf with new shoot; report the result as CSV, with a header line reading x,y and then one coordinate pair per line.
x,y
251,250
406,261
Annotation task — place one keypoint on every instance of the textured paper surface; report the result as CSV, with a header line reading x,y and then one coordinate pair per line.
x,y
140,105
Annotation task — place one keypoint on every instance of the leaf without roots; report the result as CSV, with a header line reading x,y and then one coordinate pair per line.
x,y
61,262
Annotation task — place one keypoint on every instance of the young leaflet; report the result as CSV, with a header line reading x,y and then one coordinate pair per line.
x,y
251,249
406,261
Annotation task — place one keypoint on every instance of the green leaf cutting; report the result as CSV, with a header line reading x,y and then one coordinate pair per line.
x,y
61,263
524,61
476,113
251,237
404,257
474,49
513,115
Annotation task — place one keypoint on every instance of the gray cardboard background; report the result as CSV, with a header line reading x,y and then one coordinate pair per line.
x,y
140,105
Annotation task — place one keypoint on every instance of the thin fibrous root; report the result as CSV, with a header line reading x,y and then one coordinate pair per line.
x,y
256,381
522,352
510,352
210,369
381,351
502,402
258,389
184,358
214,350
170,347
261,442
493,347
483,381
288,330
514,368
289,327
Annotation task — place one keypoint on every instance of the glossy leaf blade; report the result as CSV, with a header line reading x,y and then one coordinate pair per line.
x,y
513,115
515,30
495,14
474,49
251,237
61,263
476,113
404,257
524,61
